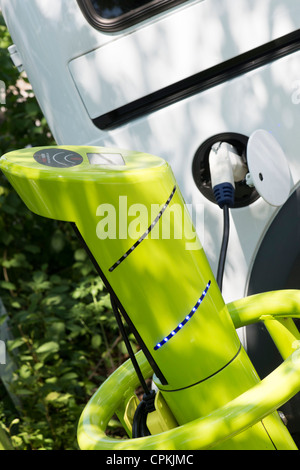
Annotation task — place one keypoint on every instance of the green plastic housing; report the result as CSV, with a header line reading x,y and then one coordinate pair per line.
x,y
129,212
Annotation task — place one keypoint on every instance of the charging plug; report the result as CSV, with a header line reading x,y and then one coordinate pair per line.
x,y
226,167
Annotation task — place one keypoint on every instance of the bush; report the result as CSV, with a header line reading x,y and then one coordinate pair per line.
x,y
65,338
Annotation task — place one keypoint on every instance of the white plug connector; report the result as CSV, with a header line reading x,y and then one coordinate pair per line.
x,y
226,168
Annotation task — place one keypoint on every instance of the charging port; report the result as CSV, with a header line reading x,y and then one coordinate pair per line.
x,y
244,195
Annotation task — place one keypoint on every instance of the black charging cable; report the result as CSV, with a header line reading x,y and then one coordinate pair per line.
x,y
223,186
224,245
146,406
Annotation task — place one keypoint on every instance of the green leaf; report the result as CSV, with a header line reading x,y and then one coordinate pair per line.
x,y
49,347
15,343
25,371
96,341
58,241
39,276
7,285
32,249
69,376
17,261
52,396
16,304
80,254
58,397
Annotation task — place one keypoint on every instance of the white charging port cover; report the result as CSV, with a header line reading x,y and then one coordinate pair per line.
x,y
268,167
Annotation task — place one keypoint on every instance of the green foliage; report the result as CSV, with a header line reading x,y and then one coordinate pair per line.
x,y
22,123
65,338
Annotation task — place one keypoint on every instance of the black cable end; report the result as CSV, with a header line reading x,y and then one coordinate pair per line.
x,y
149,399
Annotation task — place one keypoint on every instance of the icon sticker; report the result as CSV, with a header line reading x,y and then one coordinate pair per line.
x,y
59,158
